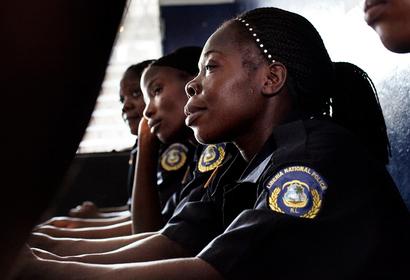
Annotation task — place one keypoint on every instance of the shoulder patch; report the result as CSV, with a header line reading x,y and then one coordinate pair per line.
x,y
174,157
211,157
296,191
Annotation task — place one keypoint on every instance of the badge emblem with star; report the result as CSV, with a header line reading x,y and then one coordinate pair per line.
x,y
211,157
174,157
296,191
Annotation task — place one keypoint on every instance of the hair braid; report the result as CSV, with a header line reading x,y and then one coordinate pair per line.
x,y
317,83
293,41
356,106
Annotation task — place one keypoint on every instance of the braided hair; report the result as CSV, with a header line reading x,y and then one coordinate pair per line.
x,y
355,105
317,85
292,40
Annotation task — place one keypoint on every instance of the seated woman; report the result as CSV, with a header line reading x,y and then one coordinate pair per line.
x,y
167,77
322,203
133,105
169,179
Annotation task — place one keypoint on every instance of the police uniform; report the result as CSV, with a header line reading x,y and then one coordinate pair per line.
x,y
207,159
173,165
325,210
131,169
202,218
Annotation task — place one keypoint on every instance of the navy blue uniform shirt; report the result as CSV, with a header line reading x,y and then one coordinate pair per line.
x,y
325,210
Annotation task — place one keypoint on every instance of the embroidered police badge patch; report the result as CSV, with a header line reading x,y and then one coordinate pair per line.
x,y
211,157
174,157
296,191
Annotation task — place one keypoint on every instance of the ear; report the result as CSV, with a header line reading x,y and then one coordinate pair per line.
x,y
275,78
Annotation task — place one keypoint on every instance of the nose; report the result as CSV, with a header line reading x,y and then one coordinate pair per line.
x,y
126,106
192,88
149,110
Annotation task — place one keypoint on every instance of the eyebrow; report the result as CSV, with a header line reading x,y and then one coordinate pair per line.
x,y
208,53
211,51
151,82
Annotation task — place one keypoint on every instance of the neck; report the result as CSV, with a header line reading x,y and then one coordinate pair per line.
x,y
251,144
275,114
188,135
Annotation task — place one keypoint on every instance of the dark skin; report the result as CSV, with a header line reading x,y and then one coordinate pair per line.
x,y
164,96
239,99
132,113
132,100
264,90
163,91
58,234
115,223
391,20
165,99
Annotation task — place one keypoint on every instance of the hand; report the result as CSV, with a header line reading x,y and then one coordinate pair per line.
x,y
39,240
61,222
86,210
147,140
48,230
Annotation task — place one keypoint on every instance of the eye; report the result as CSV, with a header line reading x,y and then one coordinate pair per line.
x,y
157,91
136,94
121,99
210,67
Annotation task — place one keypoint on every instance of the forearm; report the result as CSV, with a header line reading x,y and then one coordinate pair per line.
x,y
68,222
192,268
75,246
146,208
105,213
120,229
103,221
155,247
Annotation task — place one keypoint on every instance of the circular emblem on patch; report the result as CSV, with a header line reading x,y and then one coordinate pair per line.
x,y
174,157
211,157
296,191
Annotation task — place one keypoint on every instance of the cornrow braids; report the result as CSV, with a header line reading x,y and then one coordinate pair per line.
x,y
356,106
292,40
319,86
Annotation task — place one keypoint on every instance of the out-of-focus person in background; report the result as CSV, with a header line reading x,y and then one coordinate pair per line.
x,y
89,221
391,20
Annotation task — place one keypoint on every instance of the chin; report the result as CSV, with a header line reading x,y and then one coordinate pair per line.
x,y
163,139
134,131
206,138
394,40
396,45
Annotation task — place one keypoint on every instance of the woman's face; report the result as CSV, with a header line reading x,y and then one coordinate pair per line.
x,y
132,100
223,102
164,94
391,20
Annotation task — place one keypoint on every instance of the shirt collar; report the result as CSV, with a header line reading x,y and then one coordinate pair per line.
x,y
284,138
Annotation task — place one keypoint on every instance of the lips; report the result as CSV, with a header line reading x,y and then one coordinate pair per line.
x,y
373,9
371,3
192,112
153,125
130,117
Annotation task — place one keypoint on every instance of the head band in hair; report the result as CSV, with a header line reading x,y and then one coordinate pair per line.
x,y
257,40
